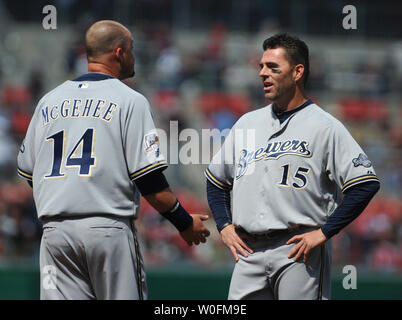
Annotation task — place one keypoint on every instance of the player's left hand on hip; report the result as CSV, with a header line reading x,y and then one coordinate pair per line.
x,y
305,243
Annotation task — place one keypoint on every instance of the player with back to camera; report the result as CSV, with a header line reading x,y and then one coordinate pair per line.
x,y
302,180
90,150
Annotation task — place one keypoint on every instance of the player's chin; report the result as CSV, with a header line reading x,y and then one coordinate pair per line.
x,y
270,95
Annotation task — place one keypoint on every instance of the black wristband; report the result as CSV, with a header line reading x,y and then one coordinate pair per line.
x,y
179,217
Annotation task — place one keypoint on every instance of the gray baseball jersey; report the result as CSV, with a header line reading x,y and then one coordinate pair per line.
x,y
88,141
287,174
85,144
287,178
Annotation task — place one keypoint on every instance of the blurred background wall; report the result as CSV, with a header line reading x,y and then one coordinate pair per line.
x,y
197,63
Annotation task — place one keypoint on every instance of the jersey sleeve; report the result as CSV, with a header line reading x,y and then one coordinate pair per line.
x,y
220,171
347,163
141,141
26,153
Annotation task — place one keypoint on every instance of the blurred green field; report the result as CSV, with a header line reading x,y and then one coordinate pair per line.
x,y
22,283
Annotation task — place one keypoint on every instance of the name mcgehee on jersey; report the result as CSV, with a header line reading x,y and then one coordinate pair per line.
x,y
78,108
273,151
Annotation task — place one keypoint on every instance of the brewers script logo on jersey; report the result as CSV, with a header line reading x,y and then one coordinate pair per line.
x,y
273,151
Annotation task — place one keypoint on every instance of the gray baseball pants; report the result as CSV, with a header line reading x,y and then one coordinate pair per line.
x,y
91,257
268,273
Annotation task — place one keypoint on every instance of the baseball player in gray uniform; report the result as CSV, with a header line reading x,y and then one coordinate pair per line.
x,y
297,177
90,150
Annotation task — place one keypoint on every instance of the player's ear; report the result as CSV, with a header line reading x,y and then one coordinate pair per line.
x,y
298,72
118,52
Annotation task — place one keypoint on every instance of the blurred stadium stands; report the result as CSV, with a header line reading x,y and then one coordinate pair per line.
x,y
197,62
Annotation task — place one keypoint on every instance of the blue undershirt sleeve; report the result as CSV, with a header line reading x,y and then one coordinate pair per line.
x,y
354,202
219,202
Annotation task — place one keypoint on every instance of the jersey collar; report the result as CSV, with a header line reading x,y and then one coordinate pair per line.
x,y
285,115
92,76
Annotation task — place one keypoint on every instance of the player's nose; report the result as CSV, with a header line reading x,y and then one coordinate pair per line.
x,y
263,73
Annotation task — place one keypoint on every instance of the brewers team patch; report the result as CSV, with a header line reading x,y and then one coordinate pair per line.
x,y
362,160
152,143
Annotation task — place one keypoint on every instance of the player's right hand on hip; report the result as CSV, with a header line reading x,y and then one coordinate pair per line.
x,y
197,232
232,240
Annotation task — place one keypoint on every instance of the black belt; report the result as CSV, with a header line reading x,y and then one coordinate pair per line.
x,y
265,235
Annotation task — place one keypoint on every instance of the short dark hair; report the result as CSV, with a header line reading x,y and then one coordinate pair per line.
x,y
296,50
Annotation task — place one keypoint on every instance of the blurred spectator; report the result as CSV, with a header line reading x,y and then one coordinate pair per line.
x,y
36,85
213,57
168,68
77,60
373,79
19,227
316,79
8,150
387,257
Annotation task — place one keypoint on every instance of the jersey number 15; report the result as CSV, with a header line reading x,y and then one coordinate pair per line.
x,y
85,162
300,179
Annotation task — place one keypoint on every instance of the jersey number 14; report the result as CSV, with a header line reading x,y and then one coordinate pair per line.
x,y
85,162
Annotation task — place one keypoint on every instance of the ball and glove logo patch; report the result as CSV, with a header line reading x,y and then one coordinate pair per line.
x,y
362,160
151,142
